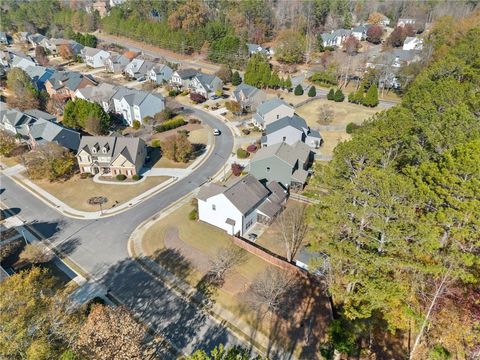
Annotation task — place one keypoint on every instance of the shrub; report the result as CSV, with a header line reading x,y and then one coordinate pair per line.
x,y
121,177
298,90
173,92
170,124
237,169
193,215
324,78
312,92
183,132
84,175
136,124
331,94
197,98
351,127
339,97
246,132
136,177
242,154
206,106
252,148
184,93
156,143
194,121
236,79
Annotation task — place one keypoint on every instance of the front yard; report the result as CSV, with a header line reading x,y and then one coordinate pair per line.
x,y
75,192
186,248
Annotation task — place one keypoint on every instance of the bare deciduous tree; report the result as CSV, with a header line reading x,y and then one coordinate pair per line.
x,y
325,114
293,228
111,333
269,290
36,253
225,259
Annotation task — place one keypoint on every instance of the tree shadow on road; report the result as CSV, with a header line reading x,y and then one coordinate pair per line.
x,y
173,261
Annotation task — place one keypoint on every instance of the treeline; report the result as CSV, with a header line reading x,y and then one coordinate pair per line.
x,y
398,227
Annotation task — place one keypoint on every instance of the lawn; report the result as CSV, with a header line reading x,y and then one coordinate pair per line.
x,y
343,114
9,161
75,192
185,247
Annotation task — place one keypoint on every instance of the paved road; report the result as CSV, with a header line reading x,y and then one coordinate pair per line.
x,y
100,248
132,45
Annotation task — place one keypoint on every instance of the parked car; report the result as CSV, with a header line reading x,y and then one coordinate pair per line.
x,y
216,132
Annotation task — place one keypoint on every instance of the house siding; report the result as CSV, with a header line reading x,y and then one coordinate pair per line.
x,y
224,209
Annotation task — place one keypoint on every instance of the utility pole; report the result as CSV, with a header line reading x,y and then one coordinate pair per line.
x,y
307,42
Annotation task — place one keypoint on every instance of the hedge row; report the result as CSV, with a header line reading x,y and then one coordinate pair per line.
x,y
170,124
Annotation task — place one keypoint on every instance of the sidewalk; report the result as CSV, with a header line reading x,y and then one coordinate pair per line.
x,y
223,316
14,173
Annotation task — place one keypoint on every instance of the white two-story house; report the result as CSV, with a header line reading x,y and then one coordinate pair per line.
x,y
133,104
94,58
237,208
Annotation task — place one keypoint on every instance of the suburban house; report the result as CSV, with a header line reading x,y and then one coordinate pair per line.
x,y
116,63
101,94
138,69
249,97
134,104
20,60
255,48
37,39
54,45
206,85
290,129
283,163
412,43
271,110
238,207
360,32
406,21
3,38
335,37
93,57
111,155
160,74
37,127
183,78
39,75
67,82
384,21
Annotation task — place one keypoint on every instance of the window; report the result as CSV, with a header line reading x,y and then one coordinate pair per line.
x,y
214,207
268,169
278,116
284,138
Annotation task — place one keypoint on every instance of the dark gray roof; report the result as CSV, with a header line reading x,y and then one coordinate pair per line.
x,y
315,134
38,114
49,131
283,151
187,73
247,90
270,208
135,97
102,92
207,80
246,193
68,79
278,193
208,190
269,105
294,121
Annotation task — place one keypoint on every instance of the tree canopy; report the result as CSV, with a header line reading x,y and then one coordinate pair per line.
x,y
83,114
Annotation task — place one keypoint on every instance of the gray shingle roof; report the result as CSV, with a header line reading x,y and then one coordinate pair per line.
x,y
38,114
68,79
294,121
208,190
187,73
102,92
49,131
133,96
281,150
129,147
270,105
247,90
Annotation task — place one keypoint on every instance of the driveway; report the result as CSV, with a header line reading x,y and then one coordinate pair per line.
x,y
99,247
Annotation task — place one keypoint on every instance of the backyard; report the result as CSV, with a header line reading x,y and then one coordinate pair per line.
x,y
343,113
187,247
75,192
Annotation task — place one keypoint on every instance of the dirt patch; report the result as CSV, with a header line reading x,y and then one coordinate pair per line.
x,y
199,261
235,283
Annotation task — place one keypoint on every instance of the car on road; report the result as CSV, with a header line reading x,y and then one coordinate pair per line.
x,y
216,132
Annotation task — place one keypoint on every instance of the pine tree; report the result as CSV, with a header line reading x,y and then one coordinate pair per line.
x,y
359,95
339,97
298,90
266,74
351,97
371,98
331,94
288,83
312,92
236,79
275,81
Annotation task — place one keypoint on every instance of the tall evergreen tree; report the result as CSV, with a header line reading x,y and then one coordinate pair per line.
x,y
371,97
312,92
331,94
236,79
298,90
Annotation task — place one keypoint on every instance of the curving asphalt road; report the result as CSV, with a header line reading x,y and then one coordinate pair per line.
x,y
100,248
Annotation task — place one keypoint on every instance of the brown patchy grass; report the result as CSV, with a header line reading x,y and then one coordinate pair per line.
x,y
185,247
75,192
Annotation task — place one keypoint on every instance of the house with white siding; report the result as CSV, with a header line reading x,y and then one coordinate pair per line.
x,y
93,57
237,208
183,78
138,69
290,129
206,85
101,94
160,74
133,104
